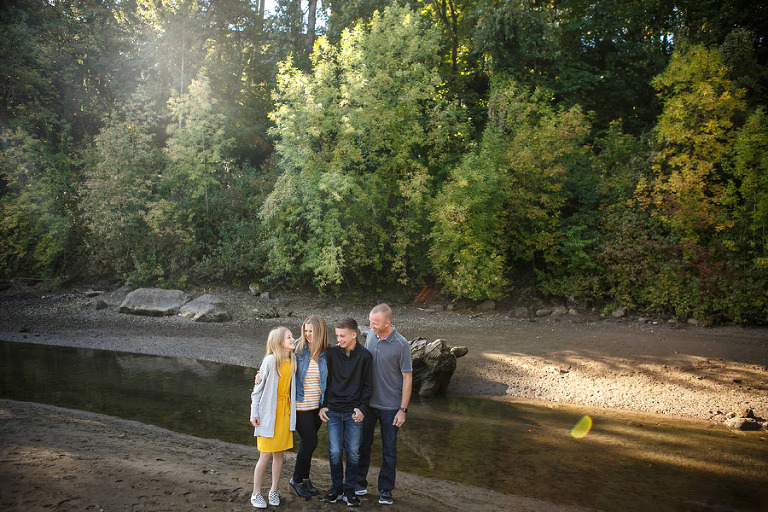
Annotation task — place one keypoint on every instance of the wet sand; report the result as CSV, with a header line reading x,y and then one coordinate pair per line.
x,y
59,459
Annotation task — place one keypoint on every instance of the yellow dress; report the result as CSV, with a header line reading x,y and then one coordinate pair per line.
x,y
283,438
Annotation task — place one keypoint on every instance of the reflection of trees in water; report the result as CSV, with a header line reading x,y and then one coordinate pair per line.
x,y
415,444
191,396
446,433
138,363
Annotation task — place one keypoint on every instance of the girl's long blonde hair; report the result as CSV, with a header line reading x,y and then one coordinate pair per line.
x,y
274,346
319,336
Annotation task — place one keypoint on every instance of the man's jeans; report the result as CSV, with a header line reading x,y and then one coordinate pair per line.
x,y
388,448
343,434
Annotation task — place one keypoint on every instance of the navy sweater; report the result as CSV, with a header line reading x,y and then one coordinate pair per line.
x,y
349,379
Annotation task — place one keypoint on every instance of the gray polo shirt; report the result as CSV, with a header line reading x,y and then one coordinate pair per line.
x,y
391,358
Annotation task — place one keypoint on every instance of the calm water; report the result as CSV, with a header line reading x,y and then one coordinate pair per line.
x,y
625,462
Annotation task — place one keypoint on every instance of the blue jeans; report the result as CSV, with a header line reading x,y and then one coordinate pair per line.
x,y
388,448
344,434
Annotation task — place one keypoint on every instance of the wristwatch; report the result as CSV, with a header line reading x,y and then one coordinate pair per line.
x,y
404,409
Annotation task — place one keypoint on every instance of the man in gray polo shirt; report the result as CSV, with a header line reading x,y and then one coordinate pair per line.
x,y
392,382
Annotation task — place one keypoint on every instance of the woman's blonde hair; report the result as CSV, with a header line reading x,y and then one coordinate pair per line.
x,y
274,346
319,336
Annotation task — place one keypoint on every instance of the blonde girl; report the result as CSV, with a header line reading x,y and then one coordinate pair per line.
x,y
273,412
311,377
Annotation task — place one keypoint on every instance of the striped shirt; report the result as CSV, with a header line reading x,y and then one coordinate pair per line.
x,y
311,389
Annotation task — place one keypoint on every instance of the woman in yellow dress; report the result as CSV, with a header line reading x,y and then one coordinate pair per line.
x,y
273,412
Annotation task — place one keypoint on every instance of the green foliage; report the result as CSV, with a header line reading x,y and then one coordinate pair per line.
x,y
738,28
598,55
516,38
130,225
55,77
747,191
35,216
746,199
744,69
574,270
237,257
287,32
682,244
608,53
633,255
543,144
159,215
695,132
240,63
481,143
620,162
469,250
599,211
196,147
359,141
691,193
455,17
346,14
501,206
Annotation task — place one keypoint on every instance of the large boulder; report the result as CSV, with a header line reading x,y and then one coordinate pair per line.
x,y
153,302
116,297
433,365
206,308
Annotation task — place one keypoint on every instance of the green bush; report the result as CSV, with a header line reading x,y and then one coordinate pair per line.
x,y
36,209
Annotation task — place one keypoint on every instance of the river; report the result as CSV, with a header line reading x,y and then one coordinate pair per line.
x,y
571,455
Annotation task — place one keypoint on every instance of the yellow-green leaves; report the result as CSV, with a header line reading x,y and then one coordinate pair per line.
x,y
695,132
357,150
501,207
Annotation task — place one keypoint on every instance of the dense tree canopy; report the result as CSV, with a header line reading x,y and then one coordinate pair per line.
x,y
613,151
360,142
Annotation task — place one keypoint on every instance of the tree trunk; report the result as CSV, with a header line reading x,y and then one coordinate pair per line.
x,y
450,18
181,75
311,20
262,7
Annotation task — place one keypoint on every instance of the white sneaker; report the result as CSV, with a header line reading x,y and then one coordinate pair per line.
x,y
257,500
274,498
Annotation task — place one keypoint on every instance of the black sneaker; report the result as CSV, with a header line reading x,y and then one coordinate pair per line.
x,y
299,489
332,495
385,497
350,499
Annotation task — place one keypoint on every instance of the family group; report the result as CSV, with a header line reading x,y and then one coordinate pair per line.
x,y
349,387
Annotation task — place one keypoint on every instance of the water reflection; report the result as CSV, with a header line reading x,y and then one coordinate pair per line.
x,y
624,462
194,397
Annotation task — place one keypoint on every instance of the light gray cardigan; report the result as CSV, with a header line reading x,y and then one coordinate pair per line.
x,y
264,399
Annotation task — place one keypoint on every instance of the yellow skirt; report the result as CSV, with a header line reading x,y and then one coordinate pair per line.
x,y
283,438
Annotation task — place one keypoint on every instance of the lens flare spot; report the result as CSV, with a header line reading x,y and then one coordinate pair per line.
x,y
582,428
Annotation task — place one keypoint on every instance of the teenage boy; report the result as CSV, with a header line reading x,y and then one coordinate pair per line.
x,y
392,382
347,393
